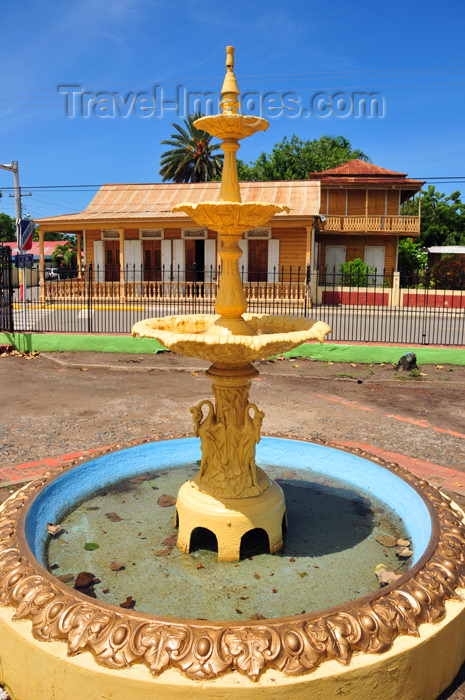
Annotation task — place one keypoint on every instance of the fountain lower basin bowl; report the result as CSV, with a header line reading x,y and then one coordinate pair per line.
x,y
188,335
416,624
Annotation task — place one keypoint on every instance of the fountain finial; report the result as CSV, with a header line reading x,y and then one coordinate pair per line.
x,y
229,91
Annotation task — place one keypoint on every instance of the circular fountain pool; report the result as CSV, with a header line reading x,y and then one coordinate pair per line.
x,y
280,638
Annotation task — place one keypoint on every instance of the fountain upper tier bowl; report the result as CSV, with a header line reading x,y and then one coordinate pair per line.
x,y
188,335
231,126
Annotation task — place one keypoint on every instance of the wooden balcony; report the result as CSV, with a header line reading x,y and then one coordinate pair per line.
x,y
392,224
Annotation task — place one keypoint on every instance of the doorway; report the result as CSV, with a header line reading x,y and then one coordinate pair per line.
x,y
152,261
111,261
258,260
195,255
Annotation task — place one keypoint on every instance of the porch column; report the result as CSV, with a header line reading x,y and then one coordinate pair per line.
x,y
122,266
79,253
41,265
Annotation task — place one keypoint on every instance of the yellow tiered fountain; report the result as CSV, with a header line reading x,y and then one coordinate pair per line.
x,y
230,495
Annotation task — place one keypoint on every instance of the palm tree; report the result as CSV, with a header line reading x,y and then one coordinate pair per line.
x,y
192,157
65,255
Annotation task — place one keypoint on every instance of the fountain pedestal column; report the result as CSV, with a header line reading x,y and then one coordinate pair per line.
x,y
230,495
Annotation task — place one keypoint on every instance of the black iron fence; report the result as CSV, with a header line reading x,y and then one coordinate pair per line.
x,y
6,290
371,307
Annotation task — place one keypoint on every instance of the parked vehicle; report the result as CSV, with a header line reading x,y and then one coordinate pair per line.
x,y
51,273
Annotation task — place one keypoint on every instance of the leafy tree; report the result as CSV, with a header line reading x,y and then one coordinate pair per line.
x,y
356,273
411,258
294,159
442,218
52,235
7,228
65,255
192,157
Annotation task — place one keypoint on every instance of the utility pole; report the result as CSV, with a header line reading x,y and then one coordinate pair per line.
x,y
18,212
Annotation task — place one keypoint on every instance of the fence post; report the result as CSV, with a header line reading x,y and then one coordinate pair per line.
x,y
89,300
395,292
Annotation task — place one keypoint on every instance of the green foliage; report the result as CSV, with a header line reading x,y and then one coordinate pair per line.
x,y
411,258
192,157
53,235
294,159
449,272
65,255
442,218
356,273
7,228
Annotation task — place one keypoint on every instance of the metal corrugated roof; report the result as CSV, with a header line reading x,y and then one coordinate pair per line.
x,y
449,249
155,201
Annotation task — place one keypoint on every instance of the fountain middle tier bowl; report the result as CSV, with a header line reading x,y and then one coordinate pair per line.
x,y
231,217
188,335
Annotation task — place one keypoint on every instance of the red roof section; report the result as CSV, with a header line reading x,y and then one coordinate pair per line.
x,y
359,171
358,167
49,247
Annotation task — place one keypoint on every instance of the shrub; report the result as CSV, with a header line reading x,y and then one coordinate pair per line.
x,y
356,273
449,272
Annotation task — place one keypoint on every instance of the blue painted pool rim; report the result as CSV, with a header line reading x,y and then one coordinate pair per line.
x,y
48,501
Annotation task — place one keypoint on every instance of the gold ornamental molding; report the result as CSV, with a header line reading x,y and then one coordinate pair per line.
x,y
207,649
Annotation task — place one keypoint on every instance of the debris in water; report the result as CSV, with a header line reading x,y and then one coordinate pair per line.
x,y
165,501
114,517
53,530
386,540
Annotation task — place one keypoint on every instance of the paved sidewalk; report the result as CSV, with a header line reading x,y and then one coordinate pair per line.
x,y
442,477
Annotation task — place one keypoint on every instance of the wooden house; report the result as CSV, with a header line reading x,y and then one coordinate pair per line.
x,y
133,239
366,210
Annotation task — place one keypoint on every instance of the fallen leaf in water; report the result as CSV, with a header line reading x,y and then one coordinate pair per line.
x,y
114,517
403,543
84,579
386,576
92,508
65,578
116,566
165,501
171,541
128,603
200,566
53,529
239,612
257,616
106,590
303,574
274,590
163,552
90,546
404,552
256,576
154,486
386,540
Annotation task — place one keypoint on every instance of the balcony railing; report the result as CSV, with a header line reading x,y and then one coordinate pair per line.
x,y
398,224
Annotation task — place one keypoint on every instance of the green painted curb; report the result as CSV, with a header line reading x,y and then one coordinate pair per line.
x,y
378,353
328,352
56,342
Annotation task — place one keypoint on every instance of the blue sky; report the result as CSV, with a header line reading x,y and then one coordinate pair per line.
x,y
411,54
